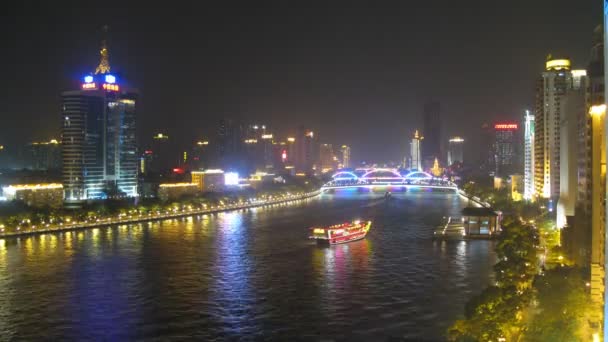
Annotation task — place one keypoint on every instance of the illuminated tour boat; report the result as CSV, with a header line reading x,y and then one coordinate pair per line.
x,y
341,233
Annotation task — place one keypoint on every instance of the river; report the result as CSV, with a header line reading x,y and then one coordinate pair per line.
x,y
250,274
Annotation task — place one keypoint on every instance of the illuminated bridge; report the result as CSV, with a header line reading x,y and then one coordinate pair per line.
x,y
381,177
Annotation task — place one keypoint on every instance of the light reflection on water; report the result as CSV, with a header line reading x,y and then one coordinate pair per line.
x,y
250,273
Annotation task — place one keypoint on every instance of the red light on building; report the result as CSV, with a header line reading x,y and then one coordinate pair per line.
x,y
178,170
507,126
148,151
284,155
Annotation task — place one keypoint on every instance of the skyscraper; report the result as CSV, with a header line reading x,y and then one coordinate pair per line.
x,y
99,150
345,156
415,157
573,108
455,150
528,156
504,148
432,133
551,97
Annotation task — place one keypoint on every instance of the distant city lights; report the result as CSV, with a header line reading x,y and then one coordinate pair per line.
x,y
88,79
506,126
231,178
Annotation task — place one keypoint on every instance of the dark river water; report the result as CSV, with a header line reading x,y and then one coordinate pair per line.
x,y
248,275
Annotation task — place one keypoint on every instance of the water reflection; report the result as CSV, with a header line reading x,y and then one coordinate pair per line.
x,y
251,273
232,294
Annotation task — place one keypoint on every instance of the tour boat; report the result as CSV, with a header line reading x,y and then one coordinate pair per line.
x,y
341,233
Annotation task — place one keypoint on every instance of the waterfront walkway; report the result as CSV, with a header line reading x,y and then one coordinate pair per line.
x,y
165,215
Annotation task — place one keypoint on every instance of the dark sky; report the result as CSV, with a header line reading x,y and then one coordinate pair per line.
x,y
357,74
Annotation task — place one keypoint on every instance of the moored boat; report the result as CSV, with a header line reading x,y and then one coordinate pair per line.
x,y
341,233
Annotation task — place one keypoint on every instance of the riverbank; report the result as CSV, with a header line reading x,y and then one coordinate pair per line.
x,y
158,216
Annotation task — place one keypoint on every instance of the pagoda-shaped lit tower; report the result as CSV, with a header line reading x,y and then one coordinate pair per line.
x,y
99,137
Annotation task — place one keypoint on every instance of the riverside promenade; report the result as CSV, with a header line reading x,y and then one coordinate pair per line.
x,y
158,216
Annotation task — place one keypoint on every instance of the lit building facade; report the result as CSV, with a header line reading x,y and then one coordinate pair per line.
x,y
573,107
175,191
209,180
529,192
326,158
504,148
455,150
98,138
345,156
553,87
415,155
35,195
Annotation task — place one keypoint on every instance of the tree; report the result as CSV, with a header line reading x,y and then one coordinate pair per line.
x,y
564,307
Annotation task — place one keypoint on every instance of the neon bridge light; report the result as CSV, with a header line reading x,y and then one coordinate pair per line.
x,y
347,173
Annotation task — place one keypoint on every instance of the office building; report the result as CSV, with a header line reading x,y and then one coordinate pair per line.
x,y
455,150
415,156
98,138
505,140
431,131
44,155
529,192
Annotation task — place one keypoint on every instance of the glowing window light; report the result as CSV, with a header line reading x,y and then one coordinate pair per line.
x,y
110,79
88,79
291,139
231,178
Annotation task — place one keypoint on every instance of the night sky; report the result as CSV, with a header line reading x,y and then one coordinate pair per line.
x,y
355,74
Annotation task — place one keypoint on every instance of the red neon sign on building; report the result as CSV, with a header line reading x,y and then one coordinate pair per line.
x,y
507,126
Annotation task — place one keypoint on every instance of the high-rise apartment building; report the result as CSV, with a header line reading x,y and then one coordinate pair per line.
x,y
529,192
432,133
455,150
99,152
415,155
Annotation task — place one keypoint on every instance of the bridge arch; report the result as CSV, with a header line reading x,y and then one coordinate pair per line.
x,y
418,175
348,174
394,173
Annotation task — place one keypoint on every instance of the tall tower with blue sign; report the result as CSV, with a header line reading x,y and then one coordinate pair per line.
x,y
99,149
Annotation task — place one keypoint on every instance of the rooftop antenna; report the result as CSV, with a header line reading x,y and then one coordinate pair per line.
x,y
104,61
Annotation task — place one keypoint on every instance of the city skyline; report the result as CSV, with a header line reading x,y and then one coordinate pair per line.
x,y
280,77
